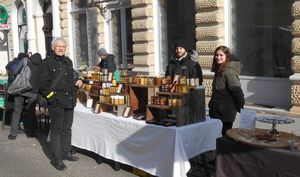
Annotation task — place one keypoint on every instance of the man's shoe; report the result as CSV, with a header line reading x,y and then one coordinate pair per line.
x,y
71,157
99,159
20,130
59,165
12,137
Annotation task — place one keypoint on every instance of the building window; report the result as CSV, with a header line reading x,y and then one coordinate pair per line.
x,y
81,56
181,23
22,29
121,33
261,36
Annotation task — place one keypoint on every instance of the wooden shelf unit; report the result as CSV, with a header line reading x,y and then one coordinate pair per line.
x,y
191,111
108,107
139,96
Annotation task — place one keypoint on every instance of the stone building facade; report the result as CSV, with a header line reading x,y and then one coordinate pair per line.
x,y
295,90
100,20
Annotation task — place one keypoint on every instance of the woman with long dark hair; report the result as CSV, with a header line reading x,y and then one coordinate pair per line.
x,y
227,96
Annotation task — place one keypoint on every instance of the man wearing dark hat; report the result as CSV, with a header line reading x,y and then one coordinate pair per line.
x,y
181,64
107,61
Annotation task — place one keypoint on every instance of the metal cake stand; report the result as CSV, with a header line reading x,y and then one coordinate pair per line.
x,y
274,120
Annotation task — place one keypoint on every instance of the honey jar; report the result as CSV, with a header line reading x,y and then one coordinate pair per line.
x,y
174,102
150,81
178,88
192,82
144,80
163,81
183,80
168,80
184,89
138,80
157,81
114,82
170,101
197,83
96,76
163,101
121,100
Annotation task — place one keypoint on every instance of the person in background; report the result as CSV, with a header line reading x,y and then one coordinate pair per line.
x,y
11,69
181,64
27,99
227,96
61,101
107,61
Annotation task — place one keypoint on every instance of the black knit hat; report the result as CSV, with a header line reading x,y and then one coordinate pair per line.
x,y
181,43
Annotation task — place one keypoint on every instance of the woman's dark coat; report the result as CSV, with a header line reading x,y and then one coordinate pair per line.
x,y
227,96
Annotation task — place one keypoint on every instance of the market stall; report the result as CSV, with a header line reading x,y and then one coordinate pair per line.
x,y
158,150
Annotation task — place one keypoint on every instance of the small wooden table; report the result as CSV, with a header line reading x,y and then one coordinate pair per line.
x,y
237,159
249,137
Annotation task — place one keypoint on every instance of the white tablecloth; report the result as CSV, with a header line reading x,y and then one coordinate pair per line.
x,y
160,151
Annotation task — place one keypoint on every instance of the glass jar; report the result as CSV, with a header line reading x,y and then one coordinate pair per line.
x,y
182,80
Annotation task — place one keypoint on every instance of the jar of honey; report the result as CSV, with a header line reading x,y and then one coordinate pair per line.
x,y
157,81
114,82
197,83
182,80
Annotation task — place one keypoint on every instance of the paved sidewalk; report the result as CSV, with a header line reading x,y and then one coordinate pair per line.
x,y
28,157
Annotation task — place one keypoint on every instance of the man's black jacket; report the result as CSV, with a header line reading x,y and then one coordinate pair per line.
x,y
185,67
65,90
108,63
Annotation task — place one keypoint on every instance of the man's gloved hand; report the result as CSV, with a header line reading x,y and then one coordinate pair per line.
x,y
42,101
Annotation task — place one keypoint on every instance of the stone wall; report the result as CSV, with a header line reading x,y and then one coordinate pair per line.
x,y
209,21
295,62
63,7
142,27
101,37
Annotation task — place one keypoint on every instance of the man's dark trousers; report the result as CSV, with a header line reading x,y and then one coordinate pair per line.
x,y
60,135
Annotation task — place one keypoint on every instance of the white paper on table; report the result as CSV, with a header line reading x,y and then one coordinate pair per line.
x,y
89,103
247,119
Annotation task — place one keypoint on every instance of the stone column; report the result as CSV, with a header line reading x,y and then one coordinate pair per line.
x,y
30,27
209,20
142,27
56,31
295,78
64,22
